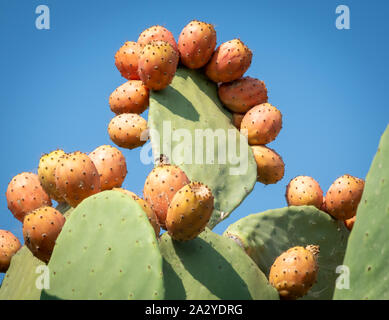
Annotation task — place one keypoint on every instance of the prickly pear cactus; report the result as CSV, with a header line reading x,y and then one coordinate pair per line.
x,y
191,103
367,251
211,267
107,250
20,280
266,235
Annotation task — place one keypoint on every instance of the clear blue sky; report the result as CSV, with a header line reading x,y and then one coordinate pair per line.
x,y
330,85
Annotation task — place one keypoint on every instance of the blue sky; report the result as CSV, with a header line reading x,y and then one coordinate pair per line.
x,y
330,84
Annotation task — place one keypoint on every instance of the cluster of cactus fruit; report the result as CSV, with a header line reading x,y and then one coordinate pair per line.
x,y
105,242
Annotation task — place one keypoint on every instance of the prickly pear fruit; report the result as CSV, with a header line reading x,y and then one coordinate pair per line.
x,y
46,169
270,166
237,119
128,130
126,60
229,62
295,271
263,123
111,166
155,33
343,197
24,194
41,228
349,223
157,65
130,97
196,44
189,211
243,94
304,191
161,185
9,245
146,208
76,178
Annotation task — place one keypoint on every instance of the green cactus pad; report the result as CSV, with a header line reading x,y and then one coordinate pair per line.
x,y
20,280
107,249
211,267
367,252
266,235
191,103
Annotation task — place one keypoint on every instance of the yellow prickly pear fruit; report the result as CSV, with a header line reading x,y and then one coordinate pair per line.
x,y
189,211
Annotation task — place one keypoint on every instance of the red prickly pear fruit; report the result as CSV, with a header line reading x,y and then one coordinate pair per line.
x,y
126,60
237,119
46,173
9,245
243,94
146,208
229,62
343,197
111,166
304,191
161,185
349,223
295,271
270,166
41,228
189,211
130,97
25,194
263,124
128,130
196,44
76,178
156,33
157,65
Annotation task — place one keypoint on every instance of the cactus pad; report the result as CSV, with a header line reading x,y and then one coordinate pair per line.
x,y
266,235
107,250
367,251
211,267
191,103
20,280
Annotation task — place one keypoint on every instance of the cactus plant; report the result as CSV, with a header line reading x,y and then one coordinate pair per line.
x,y
211,267
191,102
107,250
20,280
367,251
266,235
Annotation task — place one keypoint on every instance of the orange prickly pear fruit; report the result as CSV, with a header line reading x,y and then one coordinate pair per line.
x,y
9,245
196,44
41,228
270,166
343,197
295,271
304,191
126,60
25,194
